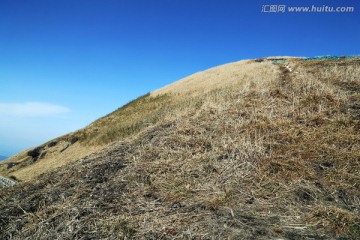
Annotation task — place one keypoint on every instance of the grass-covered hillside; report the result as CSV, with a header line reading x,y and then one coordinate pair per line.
x,y
137,115
258,149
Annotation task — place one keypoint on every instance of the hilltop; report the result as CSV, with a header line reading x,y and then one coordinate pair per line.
x,y
257,149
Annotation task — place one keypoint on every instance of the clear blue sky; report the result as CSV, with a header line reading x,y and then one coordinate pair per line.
x,y
65,63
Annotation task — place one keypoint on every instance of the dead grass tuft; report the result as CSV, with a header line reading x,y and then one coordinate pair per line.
x,y
339,220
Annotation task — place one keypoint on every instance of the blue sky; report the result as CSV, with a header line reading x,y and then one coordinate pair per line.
x,y
65,63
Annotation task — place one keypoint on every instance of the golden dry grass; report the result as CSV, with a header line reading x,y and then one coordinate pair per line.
x,y
147,110
267,156
26,168
240,74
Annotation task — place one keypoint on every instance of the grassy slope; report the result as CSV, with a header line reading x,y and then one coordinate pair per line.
x,y
243,151
134,117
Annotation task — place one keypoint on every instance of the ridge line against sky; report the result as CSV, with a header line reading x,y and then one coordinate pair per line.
x,y
66,63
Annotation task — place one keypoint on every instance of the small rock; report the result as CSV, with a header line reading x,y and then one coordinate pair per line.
x,y
52,144
35,152
74,140
10,165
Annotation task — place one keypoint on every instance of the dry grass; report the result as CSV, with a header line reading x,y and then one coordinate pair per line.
x,y
258,158
27,168
126,121
240,74
167,103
